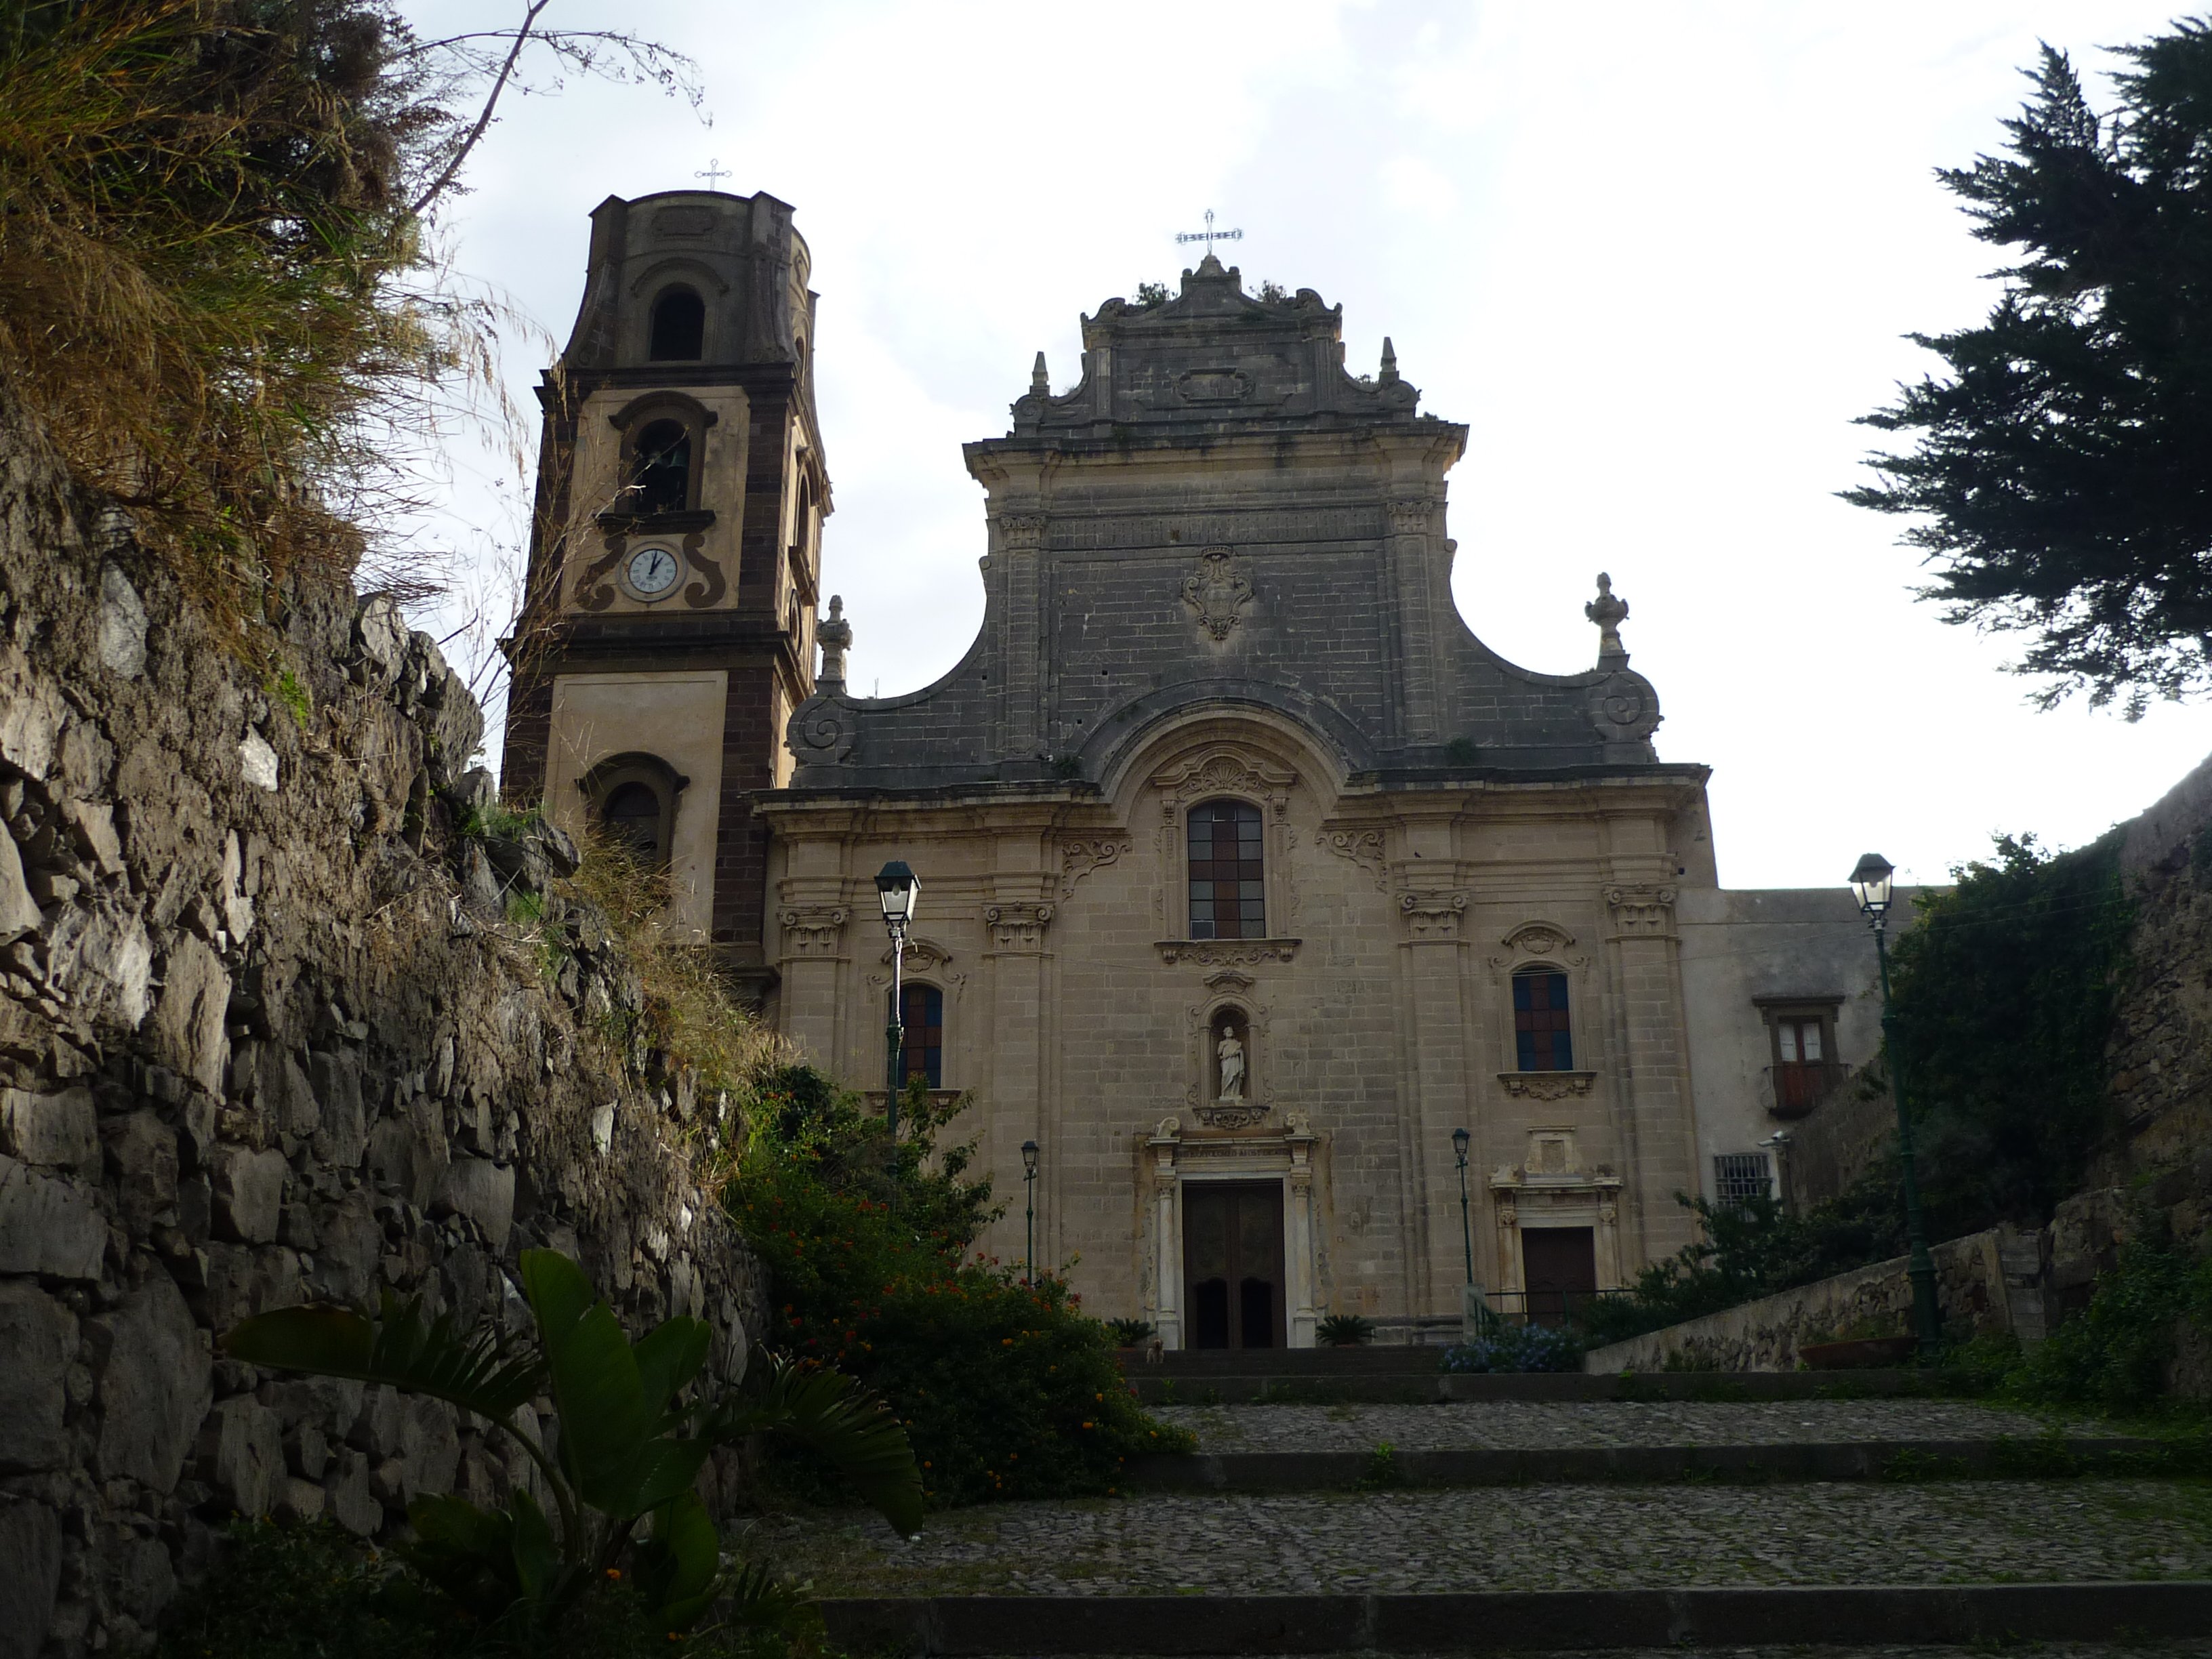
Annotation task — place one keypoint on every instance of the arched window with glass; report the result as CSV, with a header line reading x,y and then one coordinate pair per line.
x,y
921,1016
1228,874
678,333
1543,1040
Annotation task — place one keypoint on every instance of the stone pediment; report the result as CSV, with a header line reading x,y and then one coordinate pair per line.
x,y
1216,355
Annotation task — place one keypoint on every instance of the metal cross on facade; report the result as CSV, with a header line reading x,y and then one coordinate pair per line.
x,y
1209,236
712,171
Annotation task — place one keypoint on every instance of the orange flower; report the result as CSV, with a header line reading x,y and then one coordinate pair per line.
x,y
614,1573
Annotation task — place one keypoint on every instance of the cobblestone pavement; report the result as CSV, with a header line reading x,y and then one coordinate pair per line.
x,y
1517,1537
1527,1423
2175,1650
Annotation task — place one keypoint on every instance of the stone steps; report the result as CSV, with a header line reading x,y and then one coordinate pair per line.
x,y
1513,1466
1276,1381
1856,1615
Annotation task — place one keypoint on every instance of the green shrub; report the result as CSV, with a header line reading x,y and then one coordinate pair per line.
x,y
1130,1333
316,1592
1517,1348
1344,1331
1007,1389
2114,1352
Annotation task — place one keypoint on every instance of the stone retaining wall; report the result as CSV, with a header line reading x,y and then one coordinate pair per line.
x,y
265,1036
1987,1281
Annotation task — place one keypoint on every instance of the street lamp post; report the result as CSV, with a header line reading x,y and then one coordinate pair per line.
x,y
1029,1212
897,889
1872,883
1460,1139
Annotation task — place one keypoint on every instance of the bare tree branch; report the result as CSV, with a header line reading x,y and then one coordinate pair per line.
x,y
484,119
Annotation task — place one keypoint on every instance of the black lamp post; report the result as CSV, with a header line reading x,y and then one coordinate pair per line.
x,y
1460,1138
898,890
1872,884
1029,1212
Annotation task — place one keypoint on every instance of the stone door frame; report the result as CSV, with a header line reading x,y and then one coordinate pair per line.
x,y
1282,1152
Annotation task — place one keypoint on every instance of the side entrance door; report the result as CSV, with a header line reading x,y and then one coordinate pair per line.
x,y
1560,1265
1233,1263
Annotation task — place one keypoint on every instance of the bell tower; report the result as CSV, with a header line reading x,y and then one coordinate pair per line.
x,y
667,631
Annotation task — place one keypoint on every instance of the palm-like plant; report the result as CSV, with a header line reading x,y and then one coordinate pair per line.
x,y
626,1451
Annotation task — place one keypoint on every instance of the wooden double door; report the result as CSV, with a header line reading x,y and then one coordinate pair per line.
x,y
1232,1257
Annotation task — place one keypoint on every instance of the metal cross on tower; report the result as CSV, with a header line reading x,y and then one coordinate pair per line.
x,y
1209,236
712,171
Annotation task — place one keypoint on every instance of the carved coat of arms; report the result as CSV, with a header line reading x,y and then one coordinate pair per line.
x,y
1217,591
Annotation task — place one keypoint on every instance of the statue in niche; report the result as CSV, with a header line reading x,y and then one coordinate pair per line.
x,y
1230,1053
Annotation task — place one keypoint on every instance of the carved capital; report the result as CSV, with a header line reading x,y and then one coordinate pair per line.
x,y
1078,859
1223,769
1643,912
1547,1085
1018,926
1410,518
1363,846
812,930
1432,917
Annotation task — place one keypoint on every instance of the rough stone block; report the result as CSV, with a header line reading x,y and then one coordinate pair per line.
x,y
48,1225
343,1134
484,1193
141,1150
139,1578
429,1447
237,1280
37,1344
59,1131
19,911
155,1376
31,1545
249,1193
348,1498
346,1259
242,1455
188,1021
297,1501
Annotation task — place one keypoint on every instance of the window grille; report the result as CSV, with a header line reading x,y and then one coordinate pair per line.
x,y
923,1022
1228,885
1738,1176
1541,1040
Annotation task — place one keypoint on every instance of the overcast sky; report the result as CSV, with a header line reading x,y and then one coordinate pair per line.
x,y
1656,257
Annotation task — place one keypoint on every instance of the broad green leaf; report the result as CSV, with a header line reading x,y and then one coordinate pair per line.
x,y
558,1293
536,1558
678,1566
662,1468
831,1412
481,1371
606,1420
671,1356
466,1551
758,1598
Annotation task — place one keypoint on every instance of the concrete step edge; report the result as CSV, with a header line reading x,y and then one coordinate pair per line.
x,y
1499,1466
1236,1387
972,1627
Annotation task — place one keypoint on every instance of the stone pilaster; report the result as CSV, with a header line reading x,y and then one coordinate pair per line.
x,y
1020,555
1658,1119
1437,1081
1411,566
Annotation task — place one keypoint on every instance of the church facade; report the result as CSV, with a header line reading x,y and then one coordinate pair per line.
x,y
1329,961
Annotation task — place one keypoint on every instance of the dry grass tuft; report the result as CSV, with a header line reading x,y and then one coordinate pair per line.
x,y
689,1014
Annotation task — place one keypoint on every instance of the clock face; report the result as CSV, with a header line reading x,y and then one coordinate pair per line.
x,y
652,572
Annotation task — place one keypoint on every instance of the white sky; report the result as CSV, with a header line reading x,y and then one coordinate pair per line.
x,y
1657,257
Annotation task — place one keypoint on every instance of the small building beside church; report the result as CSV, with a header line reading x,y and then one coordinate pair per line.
x,y
1249,875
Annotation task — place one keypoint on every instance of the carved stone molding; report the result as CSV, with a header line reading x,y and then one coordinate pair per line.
x,y
1538,939
1363,846
1078,859
821,730
1024,530
1241,1115
1641,912
1217,769
1410,518
1432,916
1229,982
1217,591
922,955
1547,1085
1226,952
812,930
1018,926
